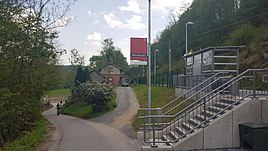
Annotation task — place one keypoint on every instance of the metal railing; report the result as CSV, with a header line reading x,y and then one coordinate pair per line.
x,y
186,98
171,128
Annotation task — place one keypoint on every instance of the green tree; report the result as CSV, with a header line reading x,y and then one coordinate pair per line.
x,y
80,76
108,54
87,74
28,62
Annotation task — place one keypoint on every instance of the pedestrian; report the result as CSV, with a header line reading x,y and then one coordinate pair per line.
x,y
58,108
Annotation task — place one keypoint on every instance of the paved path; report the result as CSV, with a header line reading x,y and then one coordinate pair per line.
x,y
100,134
121,117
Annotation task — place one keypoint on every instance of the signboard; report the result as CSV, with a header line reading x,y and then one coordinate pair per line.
x,y
138,49
138,63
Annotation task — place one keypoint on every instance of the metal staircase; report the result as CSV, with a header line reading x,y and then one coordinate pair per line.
x,y
202,104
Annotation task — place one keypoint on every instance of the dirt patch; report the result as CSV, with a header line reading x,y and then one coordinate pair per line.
x,y
49,139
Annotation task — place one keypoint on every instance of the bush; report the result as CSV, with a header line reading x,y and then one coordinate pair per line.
x,y
95,94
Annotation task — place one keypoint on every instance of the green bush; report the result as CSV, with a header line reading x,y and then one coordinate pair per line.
x,y
242,35
95,94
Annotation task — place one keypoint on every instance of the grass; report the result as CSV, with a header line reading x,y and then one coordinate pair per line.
x,y
159,97
78,109
81,110
59,93
30,141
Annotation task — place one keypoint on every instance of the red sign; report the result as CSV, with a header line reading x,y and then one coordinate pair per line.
x,y
138,49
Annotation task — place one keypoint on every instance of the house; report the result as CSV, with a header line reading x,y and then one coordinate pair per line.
x,y
113,74
96,76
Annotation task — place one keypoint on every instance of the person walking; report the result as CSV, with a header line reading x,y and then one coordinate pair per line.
x,y
58,108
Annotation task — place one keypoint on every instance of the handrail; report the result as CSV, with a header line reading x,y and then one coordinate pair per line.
x,y
202,101
197,101
181,96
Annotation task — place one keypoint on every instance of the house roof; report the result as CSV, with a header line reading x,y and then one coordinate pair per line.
x,y
97,73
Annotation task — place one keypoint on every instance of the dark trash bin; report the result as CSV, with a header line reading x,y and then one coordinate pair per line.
x,y
254,136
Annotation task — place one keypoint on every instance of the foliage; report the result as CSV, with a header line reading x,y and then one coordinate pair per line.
x,y
75,58
81,76
215,22
97,95
243,35
31,140
28,60
108,54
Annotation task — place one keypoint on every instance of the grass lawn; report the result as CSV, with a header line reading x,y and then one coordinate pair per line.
x,y
159,95
31,141
58,93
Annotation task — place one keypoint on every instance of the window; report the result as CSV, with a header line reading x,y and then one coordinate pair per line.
x,y
207,57
190,60
110,70
197,59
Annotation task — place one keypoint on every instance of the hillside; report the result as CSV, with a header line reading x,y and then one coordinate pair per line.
x,y
218,23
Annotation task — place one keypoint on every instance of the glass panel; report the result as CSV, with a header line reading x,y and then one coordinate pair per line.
x,y
207,57
189,60
197,59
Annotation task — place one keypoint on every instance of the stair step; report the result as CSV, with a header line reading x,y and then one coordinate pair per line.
x,y
165,138
214,109
187,126
221,105
200,117
194,122
180,131
173,135
227,101
208,113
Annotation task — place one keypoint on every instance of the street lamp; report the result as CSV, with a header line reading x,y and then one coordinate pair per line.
x,y
155,51
149,61
186,47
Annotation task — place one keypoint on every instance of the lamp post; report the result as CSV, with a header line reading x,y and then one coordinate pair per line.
x,y
186,47
149,60
155,51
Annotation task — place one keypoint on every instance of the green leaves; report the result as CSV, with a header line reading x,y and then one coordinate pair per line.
x,y
95,94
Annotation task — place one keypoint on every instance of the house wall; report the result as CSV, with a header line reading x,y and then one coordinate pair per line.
x,y
114,79
97,77
110,69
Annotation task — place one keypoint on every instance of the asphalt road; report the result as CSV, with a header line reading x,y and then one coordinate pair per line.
x,y
100,134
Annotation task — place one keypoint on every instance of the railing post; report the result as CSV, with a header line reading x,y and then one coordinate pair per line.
x,y
153,145
205,116
254,84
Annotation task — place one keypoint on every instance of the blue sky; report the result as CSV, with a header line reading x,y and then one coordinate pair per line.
x,y
94,21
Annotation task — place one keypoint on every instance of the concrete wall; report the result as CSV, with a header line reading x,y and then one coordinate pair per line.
x,y
264,109
224,131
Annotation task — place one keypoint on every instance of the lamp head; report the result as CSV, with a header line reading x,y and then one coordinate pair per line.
x,y
190,23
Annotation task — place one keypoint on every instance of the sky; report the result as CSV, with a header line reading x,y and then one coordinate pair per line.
x,y
93,21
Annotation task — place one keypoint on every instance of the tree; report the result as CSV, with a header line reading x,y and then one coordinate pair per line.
x,y
75,58
87,74
80,76
108,54
28,60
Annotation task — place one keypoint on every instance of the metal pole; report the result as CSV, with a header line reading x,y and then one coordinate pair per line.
x,y
149,60
186,40
155,64
169,58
